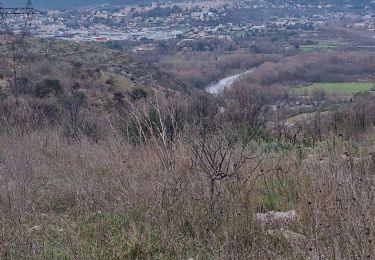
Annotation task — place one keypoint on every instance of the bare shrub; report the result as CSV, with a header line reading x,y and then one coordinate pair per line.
x,y
220,154
314,67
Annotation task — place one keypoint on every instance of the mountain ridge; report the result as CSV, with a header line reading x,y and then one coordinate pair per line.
x,y
68,4
71,3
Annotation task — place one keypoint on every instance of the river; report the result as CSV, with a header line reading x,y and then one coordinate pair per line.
x,y
218,87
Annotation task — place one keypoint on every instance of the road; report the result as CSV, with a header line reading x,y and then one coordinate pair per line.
x,y
218,87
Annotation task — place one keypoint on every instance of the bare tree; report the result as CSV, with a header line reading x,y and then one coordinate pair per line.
x,y
221,155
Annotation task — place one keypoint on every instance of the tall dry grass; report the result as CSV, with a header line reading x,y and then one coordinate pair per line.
x,y
164,189
115,200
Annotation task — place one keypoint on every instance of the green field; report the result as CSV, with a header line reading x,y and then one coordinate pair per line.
x,y
346,88
309,48
322,45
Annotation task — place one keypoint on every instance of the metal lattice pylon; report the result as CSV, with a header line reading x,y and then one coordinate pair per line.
x,y
14,29
27,12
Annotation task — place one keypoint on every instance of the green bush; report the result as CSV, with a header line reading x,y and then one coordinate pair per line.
x,y
47,87
3,94
138,93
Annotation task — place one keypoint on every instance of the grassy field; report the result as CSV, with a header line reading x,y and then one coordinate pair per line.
x,y
322,45
305,117
309,48
347,88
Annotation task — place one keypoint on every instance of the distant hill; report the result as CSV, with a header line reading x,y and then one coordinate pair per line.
x,y
71,3
66,4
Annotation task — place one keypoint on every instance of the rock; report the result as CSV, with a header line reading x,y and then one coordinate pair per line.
x,y
36,228
281,225
281,219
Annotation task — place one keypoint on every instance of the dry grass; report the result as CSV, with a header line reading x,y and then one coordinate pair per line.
x,y
132,179
117,201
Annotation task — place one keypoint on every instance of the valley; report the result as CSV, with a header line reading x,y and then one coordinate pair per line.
x,y
188,130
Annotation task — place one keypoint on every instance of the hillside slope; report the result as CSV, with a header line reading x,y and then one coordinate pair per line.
x,y
102,74
94,57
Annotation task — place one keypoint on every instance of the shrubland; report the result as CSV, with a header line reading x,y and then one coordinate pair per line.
x,y
323,66
151,183
93,167
291,57
200,69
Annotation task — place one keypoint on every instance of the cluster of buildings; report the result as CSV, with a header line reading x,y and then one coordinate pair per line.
x,y
198,19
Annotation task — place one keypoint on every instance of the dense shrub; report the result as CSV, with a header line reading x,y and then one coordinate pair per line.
x,y
138,93
325,66
47,87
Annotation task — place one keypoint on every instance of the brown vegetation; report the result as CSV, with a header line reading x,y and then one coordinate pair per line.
x,y
154,174
155,184
325,66
199,69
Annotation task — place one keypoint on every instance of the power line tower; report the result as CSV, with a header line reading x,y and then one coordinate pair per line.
x,y
27,9
15,27
17,20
